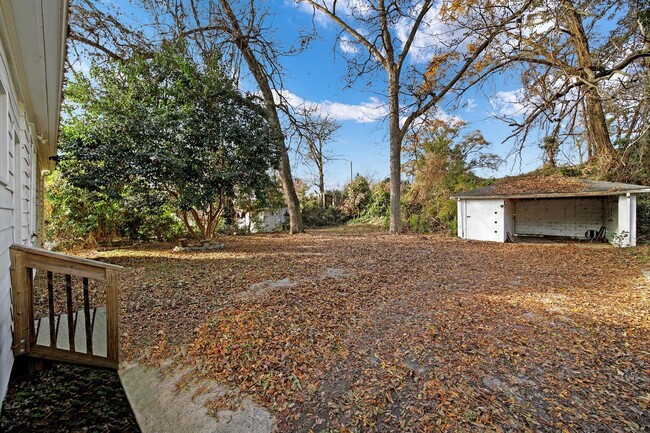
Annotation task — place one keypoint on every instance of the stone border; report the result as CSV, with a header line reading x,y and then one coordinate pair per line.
x,y
206,247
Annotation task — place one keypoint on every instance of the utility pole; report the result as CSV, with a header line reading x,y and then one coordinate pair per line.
x,y
350,172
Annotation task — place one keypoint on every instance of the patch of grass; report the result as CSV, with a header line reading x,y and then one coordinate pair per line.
x,y
642,254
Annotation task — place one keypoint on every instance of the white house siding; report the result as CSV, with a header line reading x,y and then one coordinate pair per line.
x,y
461,218
509,217
17,201
264,221
570,217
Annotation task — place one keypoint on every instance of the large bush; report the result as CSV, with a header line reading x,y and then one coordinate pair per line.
x,y
441,161
172,125
315,215
75,217
378,207
357,197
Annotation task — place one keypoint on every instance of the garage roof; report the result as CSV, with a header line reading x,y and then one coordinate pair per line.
x,y
550,187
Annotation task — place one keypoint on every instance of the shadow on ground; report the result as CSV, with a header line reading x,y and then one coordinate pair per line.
x,y
67,398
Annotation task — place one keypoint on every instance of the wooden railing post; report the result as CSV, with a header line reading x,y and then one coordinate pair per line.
x,y
22,302
112,338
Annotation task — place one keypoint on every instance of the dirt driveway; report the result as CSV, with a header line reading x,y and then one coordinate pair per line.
x,y
356,330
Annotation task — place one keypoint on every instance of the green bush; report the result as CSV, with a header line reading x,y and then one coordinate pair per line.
x,y
379,204
75,217
441,159
357,197
643,218
314,215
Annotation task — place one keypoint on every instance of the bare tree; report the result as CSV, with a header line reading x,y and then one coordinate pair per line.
x,y
577,69
239,33
385,33
315,131
265,69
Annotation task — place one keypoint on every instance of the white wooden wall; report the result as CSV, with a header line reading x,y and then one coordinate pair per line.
x,y
265,221
491,219
18,200
570,217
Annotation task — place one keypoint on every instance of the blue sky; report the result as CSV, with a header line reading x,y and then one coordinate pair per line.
x,y
318,76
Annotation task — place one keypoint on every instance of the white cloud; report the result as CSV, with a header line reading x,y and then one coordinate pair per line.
x,y
435,113
81,67
509,103
470,105
319,17
433,34
347,45
368,111
441,114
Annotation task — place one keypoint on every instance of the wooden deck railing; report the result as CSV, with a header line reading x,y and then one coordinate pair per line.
x,y
39,336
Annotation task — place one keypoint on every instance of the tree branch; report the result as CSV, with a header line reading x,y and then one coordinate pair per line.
x,y
358,36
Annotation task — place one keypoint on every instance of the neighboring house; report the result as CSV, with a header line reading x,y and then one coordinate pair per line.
x,y
32,52
267,220
549,207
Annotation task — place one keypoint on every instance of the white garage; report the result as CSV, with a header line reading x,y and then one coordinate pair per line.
x,y
553,207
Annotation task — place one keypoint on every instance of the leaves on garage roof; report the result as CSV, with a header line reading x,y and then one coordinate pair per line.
x,y
538,184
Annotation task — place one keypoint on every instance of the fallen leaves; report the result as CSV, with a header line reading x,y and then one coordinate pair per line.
x,y
409,334
536,183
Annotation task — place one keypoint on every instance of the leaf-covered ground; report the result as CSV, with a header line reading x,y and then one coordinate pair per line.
x,y
356,330
66,399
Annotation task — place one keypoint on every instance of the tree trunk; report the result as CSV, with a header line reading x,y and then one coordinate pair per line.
x,y
595,121
257,69
395,151
289,190
598,132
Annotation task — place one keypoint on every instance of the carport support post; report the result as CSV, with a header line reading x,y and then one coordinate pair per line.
x,y
460,215
627,218
631,200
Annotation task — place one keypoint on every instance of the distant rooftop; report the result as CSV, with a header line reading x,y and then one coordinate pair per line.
x,y
554,186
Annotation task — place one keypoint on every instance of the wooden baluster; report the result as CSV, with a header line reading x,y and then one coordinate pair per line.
x,y
50,306
58,322
24,261
89,327
71,321
30,295
38,327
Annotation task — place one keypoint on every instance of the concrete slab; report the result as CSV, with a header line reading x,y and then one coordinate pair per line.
x,y
335,272
62,340
163,402
259,289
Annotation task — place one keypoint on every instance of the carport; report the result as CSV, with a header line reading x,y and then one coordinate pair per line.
x,y
550,206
